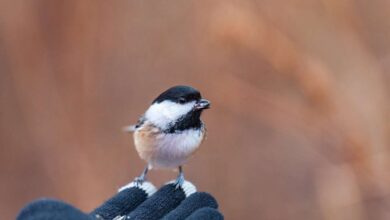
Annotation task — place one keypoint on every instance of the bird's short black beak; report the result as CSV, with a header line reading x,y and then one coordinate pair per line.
x,y
202,104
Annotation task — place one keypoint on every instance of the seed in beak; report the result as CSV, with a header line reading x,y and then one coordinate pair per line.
x,y
202,104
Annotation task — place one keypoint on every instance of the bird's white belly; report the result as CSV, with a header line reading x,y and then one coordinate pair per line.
x,y
172,150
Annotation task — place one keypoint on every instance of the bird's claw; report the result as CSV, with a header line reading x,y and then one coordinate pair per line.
x,y
179,181
139,181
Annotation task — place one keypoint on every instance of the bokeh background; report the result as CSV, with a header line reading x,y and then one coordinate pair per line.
x,y
299,127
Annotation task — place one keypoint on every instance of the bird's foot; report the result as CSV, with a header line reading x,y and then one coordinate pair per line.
x,y
179,181
139,180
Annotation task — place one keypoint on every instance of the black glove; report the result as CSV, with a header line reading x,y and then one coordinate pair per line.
x,y
134,202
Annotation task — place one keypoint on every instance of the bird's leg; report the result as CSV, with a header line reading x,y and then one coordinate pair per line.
x,y
180,178
141,179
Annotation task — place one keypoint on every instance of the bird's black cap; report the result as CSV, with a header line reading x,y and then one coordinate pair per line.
x,y
179,94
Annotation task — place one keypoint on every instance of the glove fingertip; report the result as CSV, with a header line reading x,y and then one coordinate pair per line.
x,y
204,198
206,213
51,209
187,187
146,186
159,204
194,202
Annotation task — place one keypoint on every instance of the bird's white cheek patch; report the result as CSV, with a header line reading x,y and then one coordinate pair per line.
x,y
166,112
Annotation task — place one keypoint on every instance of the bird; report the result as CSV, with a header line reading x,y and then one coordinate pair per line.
x,y
170,130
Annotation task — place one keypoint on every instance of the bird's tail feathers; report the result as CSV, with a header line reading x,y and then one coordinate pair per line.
x,y
129,128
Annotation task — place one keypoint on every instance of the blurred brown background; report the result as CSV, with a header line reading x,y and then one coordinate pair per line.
x,y
299,127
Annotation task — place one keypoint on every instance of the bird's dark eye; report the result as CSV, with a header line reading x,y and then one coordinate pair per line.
x,y
182,100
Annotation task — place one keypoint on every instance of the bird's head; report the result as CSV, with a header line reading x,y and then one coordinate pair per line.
x,y
178,107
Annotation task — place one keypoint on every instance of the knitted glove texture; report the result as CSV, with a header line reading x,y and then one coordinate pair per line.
x,y
133,202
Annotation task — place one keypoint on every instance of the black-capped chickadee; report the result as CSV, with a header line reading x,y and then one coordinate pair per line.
x,y
170,130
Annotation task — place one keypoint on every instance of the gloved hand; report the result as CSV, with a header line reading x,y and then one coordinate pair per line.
x,y
134,202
